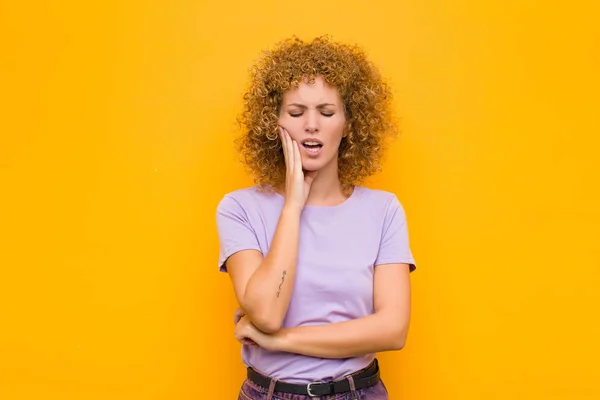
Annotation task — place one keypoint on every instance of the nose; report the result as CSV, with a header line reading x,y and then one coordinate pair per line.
x,y
311,123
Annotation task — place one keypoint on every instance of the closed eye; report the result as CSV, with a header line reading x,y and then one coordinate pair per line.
x,y
299,114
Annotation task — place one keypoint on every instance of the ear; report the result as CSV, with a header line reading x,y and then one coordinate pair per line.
x,y
346,131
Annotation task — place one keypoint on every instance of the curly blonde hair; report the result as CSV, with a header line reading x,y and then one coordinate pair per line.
x,y
365,95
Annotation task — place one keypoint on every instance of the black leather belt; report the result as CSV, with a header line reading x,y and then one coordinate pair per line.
x,y
364,378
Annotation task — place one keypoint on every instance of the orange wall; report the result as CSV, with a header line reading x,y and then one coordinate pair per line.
x,y
117,122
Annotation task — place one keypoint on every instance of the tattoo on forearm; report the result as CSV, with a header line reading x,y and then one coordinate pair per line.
x,y
282,279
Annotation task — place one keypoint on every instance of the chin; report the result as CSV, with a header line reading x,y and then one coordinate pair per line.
x,y
309,169
311,166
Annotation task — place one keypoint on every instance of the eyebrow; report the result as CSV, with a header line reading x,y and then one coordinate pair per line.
x,y
303,106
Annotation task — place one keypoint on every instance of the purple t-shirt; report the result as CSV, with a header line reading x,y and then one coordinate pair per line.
x,y
339,247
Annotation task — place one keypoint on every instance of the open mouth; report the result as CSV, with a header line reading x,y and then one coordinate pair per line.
x,y
313,146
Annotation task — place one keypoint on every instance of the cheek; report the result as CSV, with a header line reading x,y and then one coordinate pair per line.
x,y
292,125
337,129
281,119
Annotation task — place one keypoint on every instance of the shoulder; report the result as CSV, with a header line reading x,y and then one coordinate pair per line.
x,y
376,198
380,206
246,199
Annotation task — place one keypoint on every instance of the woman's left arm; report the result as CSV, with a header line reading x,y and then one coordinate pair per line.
x,y
384,330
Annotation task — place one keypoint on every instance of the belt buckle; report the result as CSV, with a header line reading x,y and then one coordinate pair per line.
x,y
309,389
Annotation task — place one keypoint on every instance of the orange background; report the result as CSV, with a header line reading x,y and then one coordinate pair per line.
x,y
117,127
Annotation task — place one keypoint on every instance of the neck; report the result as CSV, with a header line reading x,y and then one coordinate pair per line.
x,y
326,189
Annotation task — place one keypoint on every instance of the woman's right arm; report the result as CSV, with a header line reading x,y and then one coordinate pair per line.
x,y
263,286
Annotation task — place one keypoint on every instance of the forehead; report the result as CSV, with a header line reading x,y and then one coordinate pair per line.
x,y
317,92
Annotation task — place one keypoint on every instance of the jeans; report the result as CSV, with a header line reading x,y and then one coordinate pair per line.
x,y
250,391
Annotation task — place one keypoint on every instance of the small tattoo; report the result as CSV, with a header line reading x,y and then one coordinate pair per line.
x,y
282,279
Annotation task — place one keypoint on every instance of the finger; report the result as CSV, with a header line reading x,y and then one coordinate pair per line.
x,y
237,315
243,338
290,146
297,158
290,150
283,144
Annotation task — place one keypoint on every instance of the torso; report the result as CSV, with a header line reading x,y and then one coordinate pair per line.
x,y
338,247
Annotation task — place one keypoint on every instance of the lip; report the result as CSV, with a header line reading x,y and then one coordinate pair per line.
x,y
312,140
309,152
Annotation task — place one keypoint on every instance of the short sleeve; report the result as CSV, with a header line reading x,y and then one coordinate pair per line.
x,y
234,230
395,246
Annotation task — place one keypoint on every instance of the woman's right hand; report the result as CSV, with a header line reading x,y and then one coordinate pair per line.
x,y
297,182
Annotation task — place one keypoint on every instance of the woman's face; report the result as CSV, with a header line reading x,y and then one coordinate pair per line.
x,y
314,116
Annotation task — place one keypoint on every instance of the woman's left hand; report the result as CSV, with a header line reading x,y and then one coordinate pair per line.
x,y
247,333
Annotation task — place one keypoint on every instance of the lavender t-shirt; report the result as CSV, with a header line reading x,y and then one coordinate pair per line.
x,y
339,247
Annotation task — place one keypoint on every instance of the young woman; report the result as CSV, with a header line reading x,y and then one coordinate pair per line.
x,y
319,264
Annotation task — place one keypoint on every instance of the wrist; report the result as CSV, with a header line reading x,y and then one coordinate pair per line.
x,y
292,210
281,340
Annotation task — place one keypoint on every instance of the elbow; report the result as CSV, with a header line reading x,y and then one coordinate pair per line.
x,y
398,340
264,321
398,344
267,325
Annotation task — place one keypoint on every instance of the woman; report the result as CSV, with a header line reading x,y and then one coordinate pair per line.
x,y
319,265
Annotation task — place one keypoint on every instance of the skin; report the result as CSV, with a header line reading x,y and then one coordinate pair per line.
x,y
263,286
385,330
312,111
316,111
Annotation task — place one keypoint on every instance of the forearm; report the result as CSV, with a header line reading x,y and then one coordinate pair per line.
x,y
269,289
371,334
